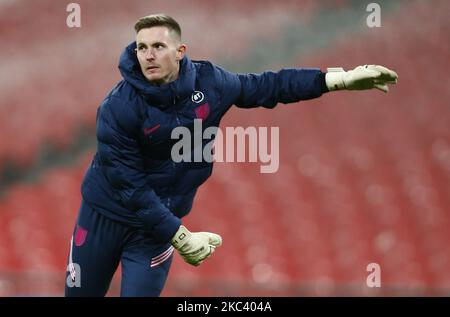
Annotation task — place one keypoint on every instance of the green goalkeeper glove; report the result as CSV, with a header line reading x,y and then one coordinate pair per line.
x,y
195,247
360,78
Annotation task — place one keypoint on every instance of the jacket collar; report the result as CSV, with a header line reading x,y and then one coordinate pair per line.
x,y
164,95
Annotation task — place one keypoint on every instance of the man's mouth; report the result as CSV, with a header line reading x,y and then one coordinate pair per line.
x,y
151,67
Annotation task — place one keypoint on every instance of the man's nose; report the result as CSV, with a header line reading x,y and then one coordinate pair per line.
x,y
149,54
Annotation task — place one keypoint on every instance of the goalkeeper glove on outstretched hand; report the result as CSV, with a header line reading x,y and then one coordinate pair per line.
x,y
360,78
195,247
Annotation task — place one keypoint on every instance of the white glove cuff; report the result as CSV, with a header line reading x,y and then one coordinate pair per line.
x,y
334,78
181,237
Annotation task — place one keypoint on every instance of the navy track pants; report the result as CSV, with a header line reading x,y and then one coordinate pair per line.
x,y
97,246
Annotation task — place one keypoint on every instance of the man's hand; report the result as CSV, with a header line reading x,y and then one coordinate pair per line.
x,y
360,78
195,247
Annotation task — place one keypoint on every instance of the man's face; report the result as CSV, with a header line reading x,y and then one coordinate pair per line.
x,y
159,52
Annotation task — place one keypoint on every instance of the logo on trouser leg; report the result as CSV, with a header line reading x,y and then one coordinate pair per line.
x,y
80,236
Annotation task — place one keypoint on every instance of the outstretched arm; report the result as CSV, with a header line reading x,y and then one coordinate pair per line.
x,y
286,86
292,85
270,88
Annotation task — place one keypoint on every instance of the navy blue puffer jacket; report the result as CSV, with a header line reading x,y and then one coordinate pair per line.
x,y
132,178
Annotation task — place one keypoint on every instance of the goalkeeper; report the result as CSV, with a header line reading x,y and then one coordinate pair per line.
x,y
133,194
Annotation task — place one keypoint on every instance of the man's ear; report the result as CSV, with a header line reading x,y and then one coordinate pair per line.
x,y
181,51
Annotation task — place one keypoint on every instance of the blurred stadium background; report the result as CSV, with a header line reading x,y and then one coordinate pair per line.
x,y
364,177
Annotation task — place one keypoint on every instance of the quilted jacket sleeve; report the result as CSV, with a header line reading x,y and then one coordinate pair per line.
x,y
270,88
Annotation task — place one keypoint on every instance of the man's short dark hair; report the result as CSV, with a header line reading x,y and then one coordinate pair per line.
x,y
159,19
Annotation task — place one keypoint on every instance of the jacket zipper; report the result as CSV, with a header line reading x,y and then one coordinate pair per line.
x,y
173,163
174,107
